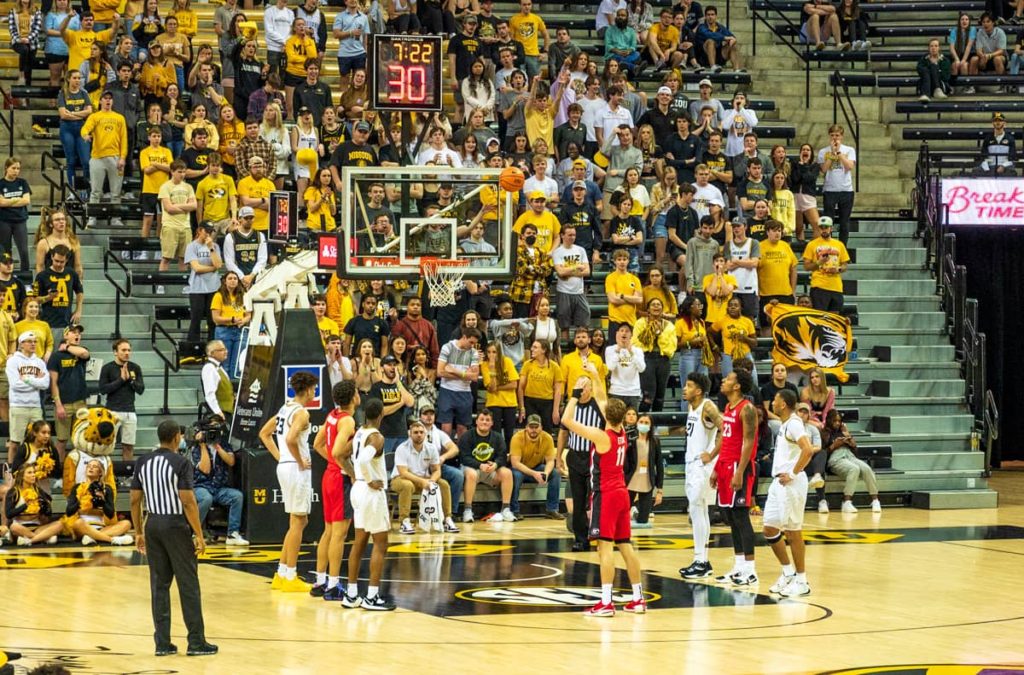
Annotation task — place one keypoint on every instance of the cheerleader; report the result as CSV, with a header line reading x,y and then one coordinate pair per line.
x,y
91,513
29,511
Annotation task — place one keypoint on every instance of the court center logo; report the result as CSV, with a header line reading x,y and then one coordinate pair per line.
x,y
547,596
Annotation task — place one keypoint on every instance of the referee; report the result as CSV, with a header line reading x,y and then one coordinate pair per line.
x,y
575,451
164,479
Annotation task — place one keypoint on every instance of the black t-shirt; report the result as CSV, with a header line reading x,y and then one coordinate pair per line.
x,y
684,155
395,425
683,221
70,375
316,97
756,229
195,160
587,223
65,284
12,294
566,134
371,329
121,393
769,390
350,154
465,49
717,162
14,189
475,449
752,190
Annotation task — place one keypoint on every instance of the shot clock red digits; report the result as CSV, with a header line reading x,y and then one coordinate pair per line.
x,y
407,72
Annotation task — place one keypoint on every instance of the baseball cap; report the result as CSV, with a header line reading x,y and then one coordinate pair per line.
x,y
998,116
206,225
538,194
107,93
664,90
5,257
579,184
493,141
388,359
447,186
246,212
704,83
74,328
469,18
533,420
579,163
802,405
825,221
304,110
427,407
362,125
27,335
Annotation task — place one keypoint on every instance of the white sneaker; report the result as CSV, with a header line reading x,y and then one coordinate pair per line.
x,y
938,93
91,222
407,527
116,222
795,589
87,540
24,541
496,518
467,516
122,540
867,44
235,539
923,98
52,540
816,481
449,526
160,290
822,506
681,297
508,516
876,506
848,507
779,586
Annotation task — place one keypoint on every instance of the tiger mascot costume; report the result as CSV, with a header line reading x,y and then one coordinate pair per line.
x,y
93,436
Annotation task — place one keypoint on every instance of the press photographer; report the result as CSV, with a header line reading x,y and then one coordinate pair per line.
x,y
213,463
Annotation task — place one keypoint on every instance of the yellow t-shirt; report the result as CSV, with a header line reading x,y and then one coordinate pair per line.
x,y
526,30
232,310
322,219
247,187
572,368
828,253
231,134
531,453
215,192
716,308
44,336
500,399
188,21
297,49
540,124
731,329
773,270
109,134
151,182
541,381
621,282
548,228
178,194
668,300
80,43
685,333
327,328
666,37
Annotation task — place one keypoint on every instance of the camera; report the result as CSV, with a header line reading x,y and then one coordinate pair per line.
x,y
207,430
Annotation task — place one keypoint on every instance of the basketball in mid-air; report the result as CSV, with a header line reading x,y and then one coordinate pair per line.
x,y
511,179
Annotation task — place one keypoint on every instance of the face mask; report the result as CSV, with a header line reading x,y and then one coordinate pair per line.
x,y
621,23
643,428
530,241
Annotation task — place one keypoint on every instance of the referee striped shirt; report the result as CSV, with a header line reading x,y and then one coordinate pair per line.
x,y
160,475
589,415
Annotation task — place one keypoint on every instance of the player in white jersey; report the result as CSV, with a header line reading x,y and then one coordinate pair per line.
x,y
703,424
370,514
787,496
289,430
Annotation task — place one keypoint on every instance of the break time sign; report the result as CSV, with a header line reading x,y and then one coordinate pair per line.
x,y
984,201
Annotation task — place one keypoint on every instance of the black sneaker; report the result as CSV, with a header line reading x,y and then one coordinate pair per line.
x,y
205,649
333,594
378,604
318,590
698,570
169,650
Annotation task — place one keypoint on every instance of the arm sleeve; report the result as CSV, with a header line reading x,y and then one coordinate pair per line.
x,y
138,384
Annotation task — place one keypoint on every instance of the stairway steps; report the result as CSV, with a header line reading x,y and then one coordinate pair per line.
x,y
953,461
914,354
896,388
914,424
955,499
916,320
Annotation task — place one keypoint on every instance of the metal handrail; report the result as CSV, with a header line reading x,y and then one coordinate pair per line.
x,y
8,121
990,421
853,125
120,291
805,56
170,365
60,184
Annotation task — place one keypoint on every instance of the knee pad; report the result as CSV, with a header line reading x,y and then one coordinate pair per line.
x,y
774,538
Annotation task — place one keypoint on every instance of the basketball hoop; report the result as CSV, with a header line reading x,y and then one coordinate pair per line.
x,y
443,277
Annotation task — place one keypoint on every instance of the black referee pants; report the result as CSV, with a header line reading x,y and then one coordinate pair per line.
x,y
171,557
579,484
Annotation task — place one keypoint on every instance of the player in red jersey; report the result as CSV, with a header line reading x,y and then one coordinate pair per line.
x,y
734,474
609,501
334,443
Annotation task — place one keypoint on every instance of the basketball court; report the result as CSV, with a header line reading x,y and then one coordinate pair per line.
x,y
906,587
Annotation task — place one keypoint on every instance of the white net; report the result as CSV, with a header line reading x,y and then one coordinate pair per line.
x,y
443,278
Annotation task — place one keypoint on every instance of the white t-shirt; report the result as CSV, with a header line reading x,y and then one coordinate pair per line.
x,y
838,179
463,359
417,463
547,185
609,120
787,449
704,197
624,368
565,256
590,109
607,7
440,157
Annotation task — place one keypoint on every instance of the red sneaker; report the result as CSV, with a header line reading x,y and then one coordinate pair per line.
x,y
636,606
601,609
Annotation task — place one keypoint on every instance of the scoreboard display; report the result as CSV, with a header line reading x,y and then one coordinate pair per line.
x,y
406,72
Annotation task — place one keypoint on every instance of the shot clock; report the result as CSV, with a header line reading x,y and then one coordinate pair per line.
x,y
406,72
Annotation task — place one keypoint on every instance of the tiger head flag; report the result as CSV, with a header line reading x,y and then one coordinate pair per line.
x,y
807,338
